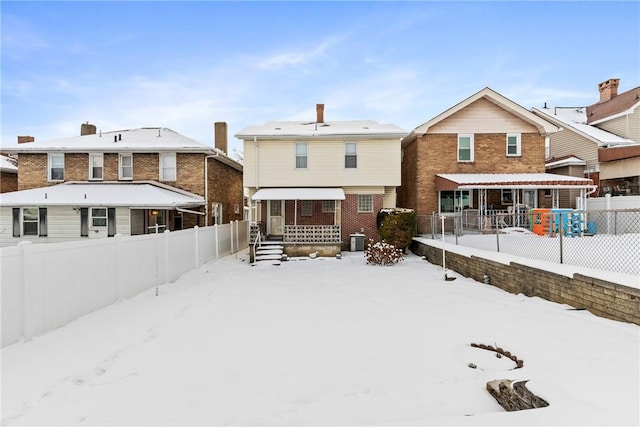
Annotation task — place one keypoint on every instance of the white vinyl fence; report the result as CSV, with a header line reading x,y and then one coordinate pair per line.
x,y
612,202
45,286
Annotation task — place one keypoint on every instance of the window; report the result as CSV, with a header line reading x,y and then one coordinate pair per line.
x,y
328,206
98,217
168,167
365,203
465,148
350,155
307,207
216,209
452,201
301,155
513,144
506,195
56,167
125,169
96,166
30,222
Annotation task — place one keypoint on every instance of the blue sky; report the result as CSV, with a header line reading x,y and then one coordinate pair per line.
x,y
186,65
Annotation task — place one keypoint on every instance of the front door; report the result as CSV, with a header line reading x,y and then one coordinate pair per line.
x,y
530,198
276,217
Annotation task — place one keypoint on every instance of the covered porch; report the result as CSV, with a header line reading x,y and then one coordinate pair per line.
x,y
299,217
508,198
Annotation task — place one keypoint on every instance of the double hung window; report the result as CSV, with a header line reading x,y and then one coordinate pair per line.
x,y
301,155
168,167
56,167
125,167
465,148
96,166
29,222
350,155
513,145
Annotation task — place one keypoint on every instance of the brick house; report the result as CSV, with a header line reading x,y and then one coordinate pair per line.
x,y
134,181
8,174
607,126
485,154
319,182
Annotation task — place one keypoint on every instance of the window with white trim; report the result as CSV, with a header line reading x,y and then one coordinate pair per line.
x,y
167,166
465,148
56,167
350,155
98,217
301,155
306,209
513,144
365,203
96,166
125,167
29,222
328,206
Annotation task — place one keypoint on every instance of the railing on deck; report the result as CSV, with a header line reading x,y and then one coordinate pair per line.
x,y
311,234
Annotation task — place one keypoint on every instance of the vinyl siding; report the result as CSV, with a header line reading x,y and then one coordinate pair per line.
x,y
378,164
627,126
63,224
568,143
620,168
483,116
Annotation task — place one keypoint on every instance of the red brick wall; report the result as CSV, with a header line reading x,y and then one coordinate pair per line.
x,y
8,182
32,171
317,218
225,186
354,221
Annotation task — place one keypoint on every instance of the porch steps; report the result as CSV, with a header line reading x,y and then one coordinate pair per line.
x,y
269,252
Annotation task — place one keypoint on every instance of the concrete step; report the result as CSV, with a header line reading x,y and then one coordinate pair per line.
x,y
269,251
269,257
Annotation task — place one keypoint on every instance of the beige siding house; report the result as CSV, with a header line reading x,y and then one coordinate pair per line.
x,y
320,181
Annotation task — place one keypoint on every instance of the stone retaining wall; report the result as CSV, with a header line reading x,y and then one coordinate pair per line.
x,y
602,298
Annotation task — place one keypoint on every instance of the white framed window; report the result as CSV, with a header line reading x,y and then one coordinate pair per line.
x,y
29,222
167,166
513,145
98,217
465,148
125,166
328,206
350,155
96,166
365,203
307,208
301,155
453,201
56,167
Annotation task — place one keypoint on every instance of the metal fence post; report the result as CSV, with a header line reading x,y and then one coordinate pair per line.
x,y
497,236
561,231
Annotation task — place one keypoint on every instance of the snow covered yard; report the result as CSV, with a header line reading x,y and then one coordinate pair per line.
x,y
322,342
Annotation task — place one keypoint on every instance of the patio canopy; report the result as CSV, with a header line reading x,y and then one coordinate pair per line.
x,y
467,181
299,194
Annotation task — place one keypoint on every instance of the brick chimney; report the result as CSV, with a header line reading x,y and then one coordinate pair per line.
x,y
26,138
319,113
220,136
608,89
87,129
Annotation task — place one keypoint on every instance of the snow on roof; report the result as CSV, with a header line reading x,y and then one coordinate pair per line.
x,y
8,165
299,194
575,118
565,161
141,139
136,195
515,180
277,129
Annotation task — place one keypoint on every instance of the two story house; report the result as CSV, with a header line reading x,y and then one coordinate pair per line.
x,y
320,181
597,142
133,181
485,154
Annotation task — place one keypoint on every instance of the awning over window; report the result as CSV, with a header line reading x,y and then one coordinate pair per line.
x,y
467,181
299,194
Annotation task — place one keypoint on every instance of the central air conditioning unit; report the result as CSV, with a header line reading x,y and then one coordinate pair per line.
x,y
357,242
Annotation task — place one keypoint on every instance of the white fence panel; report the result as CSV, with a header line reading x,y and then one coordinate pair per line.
x,y
45,286
613,202
12,295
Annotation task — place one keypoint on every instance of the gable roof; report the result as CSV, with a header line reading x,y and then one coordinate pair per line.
x,y
624,103
544,127
575,119
141,195
273,130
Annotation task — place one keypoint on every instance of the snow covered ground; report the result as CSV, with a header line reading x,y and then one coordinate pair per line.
x,y
322,342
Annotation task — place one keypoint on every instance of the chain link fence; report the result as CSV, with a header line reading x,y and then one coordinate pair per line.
x,y
602,239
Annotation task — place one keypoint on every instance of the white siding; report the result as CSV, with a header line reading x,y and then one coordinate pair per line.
x,y
483,116
274,164
389,200
620,168
364,190
568,143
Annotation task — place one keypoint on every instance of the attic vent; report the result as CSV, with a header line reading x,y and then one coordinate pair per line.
x,y
365,127
278,128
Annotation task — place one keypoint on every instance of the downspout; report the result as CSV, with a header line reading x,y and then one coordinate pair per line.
x,y
206,186
257,178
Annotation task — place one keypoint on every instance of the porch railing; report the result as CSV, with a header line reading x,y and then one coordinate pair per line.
x,y
311,234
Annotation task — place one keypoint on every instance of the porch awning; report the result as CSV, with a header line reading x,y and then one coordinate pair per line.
x,y
299,194
468,181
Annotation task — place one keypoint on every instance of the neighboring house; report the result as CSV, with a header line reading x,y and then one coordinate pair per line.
x,y
620,170
614,121
8,174
320,182
134,181
484,154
